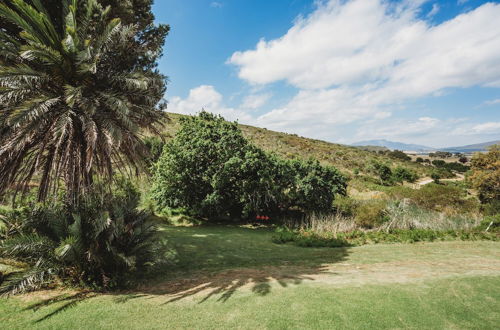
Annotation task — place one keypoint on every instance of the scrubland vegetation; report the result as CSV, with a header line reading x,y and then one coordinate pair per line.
x,y
102,191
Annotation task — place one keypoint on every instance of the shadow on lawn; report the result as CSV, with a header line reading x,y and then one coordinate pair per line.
x,y
280,265
224,284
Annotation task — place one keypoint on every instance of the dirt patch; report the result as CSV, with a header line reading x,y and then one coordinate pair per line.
x,y
260,281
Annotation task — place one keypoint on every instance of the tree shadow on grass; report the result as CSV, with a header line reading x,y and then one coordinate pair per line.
x,y
67,301
221,285
216,263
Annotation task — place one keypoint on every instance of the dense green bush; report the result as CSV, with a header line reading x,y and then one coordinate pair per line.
x,y
398,154
98,243
371,213
485,176
210,169
381,170
345,206
155,146
401,174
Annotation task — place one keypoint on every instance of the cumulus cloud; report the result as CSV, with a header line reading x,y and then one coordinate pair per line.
x,y
359,62
362,59
206,98
492,102
487,128
367,40
255,101
434,10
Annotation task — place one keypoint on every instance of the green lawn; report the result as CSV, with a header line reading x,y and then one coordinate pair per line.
x,y
232,277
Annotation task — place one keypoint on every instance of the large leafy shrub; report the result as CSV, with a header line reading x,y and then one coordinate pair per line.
x,y
210,169
485,175
98,243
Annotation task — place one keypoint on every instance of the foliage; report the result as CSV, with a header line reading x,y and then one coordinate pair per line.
x,y
401,174
490,223
70,112
438,163
381,170
99,243
451,166
345,206
357,238
438,198
290,146
441,154
398,154
419,160
485,176
371,213
212,170
155,147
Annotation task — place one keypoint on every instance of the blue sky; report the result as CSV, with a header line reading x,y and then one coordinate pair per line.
x,y
414,71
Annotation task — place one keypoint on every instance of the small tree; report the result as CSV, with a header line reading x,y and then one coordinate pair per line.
x,y
210,169
401,174
485,176
436,177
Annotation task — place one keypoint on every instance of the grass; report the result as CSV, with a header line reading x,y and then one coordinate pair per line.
x,y
234,277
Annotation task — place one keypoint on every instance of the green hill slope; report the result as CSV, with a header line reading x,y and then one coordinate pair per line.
x,y
345,158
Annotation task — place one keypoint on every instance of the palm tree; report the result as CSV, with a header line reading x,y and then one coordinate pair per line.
x,y
68,115
101,242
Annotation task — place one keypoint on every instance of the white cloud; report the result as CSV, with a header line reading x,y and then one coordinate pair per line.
x,y
367,40
401,129
434,10
487,128
206,98
360,60
255,101
492,102
216,4
357,63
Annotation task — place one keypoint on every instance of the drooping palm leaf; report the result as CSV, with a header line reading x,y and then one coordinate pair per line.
x,y
67,115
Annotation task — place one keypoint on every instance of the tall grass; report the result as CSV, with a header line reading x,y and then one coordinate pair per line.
x,y
405,215
399,215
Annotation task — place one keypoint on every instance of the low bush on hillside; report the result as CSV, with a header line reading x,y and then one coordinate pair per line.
x,y
370,213
98,243
212,171
357,238
390,176
437,197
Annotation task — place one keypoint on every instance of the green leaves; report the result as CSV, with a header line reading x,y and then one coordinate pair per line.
x,y
69,112
100,242
210,169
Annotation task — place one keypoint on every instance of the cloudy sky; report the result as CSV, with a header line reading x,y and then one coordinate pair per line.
x,y
413,71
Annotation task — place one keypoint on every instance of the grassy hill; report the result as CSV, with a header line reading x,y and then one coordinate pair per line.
x,y
345,158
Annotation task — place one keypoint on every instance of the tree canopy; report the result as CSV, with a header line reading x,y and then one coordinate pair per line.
x,y
210,169
72,107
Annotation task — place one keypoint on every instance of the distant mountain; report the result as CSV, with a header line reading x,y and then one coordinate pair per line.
x,y
393,145
472,147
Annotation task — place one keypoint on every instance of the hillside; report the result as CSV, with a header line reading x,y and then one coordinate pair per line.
x,y
472,147
393,145
345,158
